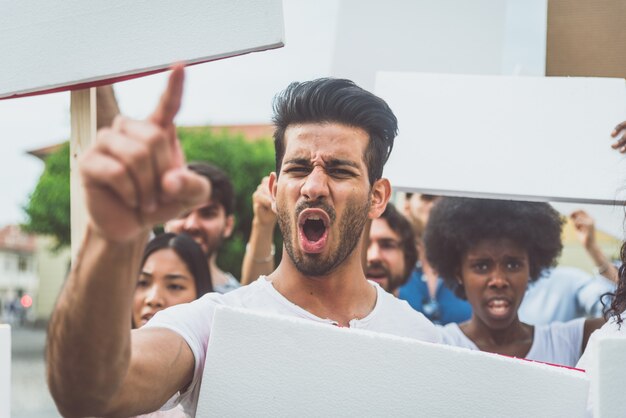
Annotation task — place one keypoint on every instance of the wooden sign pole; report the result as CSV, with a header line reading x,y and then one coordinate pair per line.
x,y
83,119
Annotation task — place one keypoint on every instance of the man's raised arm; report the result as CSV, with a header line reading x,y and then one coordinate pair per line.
x,y
134,177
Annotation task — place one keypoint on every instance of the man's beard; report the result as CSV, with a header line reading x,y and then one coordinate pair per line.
x,y
351,226
212,244
379,271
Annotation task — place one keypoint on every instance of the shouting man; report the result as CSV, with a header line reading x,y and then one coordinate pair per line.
x,y
332,139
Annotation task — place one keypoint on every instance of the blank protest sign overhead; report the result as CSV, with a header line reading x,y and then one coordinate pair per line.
x,y
537,138
59,44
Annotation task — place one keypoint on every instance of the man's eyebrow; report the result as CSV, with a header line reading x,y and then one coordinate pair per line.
x,y
298,161
145,273
336,162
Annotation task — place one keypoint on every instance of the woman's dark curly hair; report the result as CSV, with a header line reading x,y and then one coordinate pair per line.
x,y
618,304
457,224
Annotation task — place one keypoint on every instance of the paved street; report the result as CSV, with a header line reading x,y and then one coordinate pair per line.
x,y
29,394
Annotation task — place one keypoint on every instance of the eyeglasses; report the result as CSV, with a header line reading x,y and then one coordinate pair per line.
x,y
431,309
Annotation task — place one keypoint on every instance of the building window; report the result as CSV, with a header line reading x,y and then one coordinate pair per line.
x,y
22,264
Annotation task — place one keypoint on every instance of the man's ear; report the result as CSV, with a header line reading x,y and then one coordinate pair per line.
x,y
381,192
272,185
230,225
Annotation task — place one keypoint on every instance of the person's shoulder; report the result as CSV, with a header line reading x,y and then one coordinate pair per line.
x,y
231,284
559,325
239,294
399,314
387,301
451,334
612,326
208,301
561,332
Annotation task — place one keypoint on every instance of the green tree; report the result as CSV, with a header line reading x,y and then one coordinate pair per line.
x,y
48,207
246,162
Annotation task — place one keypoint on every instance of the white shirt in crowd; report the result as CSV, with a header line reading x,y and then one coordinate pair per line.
x,y
555,343
193,322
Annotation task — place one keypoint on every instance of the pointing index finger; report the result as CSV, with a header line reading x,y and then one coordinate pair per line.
x,y
171,98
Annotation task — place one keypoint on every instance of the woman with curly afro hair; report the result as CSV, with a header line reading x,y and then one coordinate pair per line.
x,y
487,251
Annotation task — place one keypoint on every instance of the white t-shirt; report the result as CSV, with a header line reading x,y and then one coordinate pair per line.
x,y
611,327
556,343
193,322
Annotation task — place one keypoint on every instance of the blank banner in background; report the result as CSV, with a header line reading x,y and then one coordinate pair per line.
x,y
59,44
526,138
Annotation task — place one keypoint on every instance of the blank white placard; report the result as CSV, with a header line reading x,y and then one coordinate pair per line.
x,y
58,43
532,138
607,377
5,370
439,36
272,366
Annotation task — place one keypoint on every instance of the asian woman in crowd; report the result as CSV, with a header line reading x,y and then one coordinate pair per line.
x,y
173,271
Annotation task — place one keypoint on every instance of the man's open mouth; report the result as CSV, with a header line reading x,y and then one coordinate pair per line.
x,y
313,229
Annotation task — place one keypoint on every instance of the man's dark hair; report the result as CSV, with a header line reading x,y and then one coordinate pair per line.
x,y
221,187
401,226
458,224
335,100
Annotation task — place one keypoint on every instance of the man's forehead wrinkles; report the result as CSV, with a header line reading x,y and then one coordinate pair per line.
x,y
333,162
298,160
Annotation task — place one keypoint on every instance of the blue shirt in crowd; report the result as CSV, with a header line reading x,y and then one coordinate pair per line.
x,y
445,308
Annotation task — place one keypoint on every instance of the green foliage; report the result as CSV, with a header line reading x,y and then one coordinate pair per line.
x,y
48,208
246,162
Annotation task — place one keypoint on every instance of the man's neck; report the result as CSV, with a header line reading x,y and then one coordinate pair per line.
x,y
342,295
218,276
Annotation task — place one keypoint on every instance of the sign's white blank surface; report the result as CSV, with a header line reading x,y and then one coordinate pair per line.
x,y
60,43
536,138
